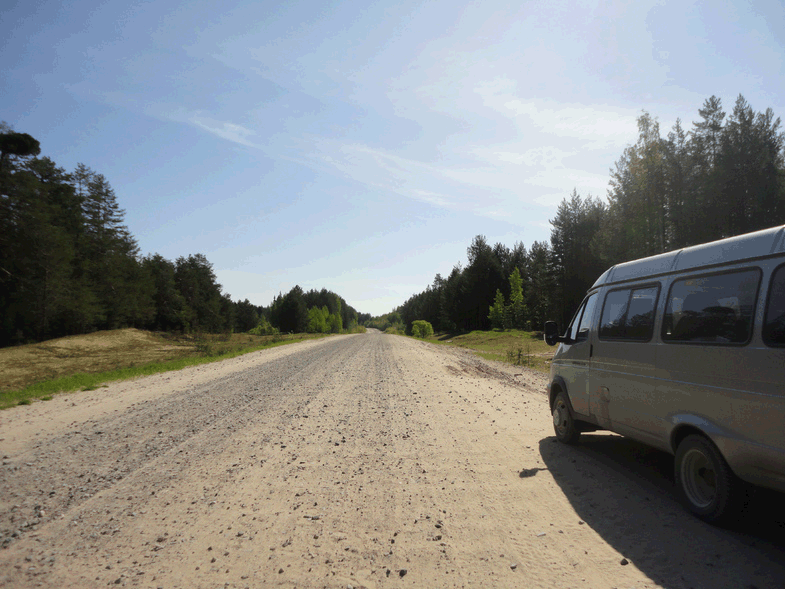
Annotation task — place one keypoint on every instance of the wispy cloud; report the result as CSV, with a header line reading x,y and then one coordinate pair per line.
x,y
433,198
487,181
411,178
224,130
570,121
594,123
545,156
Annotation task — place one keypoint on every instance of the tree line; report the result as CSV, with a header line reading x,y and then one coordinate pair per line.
x,y
312,312
724,176
69,265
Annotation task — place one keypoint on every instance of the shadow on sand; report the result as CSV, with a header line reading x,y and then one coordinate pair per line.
x,y
625,491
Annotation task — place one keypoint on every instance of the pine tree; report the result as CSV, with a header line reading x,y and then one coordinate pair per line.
x,y
496,313
516,310
201,293
168,303
750,154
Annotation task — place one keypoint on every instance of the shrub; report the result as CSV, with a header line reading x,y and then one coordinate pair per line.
x,y
421,329
264,328
520,356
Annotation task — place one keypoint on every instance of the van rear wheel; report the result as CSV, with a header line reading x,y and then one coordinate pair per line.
x,y
563,422
709,488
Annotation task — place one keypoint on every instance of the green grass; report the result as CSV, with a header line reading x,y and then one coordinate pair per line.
x,y
215,352
521,348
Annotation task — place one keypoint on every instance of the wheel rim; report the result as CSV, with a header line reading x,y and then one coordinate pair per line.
x,y
699,479
560,417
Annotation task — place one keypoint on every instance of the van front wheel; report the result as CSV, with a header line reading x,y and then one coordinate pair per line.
x,y
563,422
708,486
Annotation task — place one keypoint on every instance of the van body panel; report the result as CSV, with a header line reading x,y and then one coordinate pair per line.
x,y
624,380
640,269
733,249
716,377
763,243
702,380
574,364
754,463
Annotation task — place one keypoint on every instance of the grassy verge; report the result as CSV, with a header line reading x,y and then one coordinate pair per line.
x,y
84,372
521,348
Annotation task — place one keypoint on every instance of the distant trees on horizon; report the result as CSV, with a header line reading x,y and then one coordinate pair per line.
x,y
69,265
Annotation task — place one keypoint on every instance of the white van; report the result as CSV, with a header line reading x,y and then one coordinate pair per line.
x,y
685,351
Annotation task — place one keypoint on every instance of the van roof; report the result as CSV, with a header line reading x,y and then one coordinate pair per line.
x,y
733,249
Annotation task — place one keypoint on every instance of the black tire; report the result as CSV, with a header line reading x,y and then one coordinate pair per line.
x,y
563,421
708,487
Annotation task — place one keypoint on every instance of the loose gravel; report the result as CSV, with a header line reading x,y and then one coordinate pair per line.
x,y
356,461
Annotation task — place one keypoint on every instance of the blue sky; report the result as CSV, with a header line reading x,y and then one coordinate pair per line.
x,y
360,146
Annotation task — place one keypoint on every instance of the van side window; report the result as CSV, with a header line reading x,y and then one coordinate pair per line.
x,y
629,314
712,309
588,312
579,328
612,322
774,327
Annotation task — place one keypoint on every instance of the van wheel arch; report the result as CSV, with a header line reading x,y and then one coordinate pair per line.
x,y
558,386
678,435
686,429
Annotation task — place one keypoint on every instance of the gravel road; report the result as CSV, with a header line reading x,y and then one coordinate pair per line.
x,y
354,461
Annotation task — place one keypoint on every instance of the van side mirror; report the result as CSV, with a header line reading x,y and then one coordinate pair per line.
x,y
552,336
551,333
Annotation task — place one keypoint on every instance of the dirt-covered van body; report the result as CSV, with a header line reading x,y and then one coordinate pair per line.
x,y
685,351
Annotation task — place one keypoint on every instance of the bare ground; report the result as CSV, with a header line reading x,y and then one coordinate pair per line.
x,y
355,461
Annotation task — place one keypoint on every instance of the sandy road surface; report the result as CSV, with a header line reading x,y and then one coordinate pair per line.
x,y
355,461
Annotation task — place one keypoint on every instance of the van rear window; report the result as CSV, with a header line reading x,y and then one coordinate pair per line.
x,y
774,327
629,314
715,309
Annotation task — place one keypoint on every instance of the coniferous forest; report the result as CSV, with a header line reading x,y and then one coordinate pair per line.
x,y
69,265
722,176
